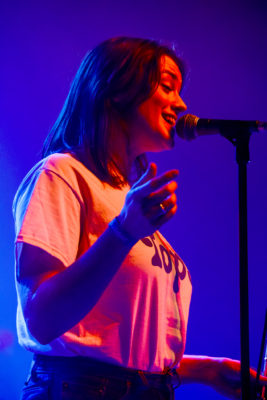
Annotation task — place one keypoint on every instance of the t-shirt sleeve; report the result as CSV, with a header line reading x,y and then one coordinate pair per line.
x,y
47,214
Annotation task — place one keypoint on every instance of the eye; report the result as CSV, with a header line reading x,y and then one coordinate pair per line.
x,y
166,87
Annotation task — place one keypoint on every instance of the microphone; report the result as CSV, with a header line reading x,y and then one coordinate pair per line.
x,y
190,126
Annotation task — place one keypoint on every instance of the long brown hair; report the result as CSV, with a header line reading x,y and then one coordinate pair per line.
x,y
113,79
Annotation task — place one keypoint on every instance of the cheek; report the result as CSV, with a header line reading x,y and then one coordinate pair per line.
x,y
157,105
151,109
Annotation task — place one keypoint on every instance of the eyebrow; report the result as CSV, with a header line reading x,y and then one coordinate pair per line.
x,y
174,76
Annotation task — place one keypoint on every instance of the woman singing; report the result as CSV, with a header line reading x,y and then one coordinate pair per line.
x,y
103,299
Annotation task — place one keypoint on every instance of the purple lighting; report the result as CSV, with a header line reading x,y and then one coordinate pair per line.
x,y
224,44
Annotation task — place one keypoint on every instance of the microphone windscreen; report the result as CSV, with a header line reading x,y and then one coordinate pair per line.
x,y
186,127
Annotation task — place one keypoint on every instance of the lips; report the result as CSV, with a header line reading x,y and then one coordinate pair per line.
x,y
169,118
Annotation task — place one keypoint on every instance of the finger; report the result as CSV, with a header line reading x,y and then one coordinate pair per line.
x,y
253,376
170,202
163,218
150,173
161,195
263,380
156,213
156,183
156,209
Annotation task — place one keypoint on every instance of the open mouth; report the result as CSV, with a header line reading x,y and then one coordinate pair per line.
x,y
170,119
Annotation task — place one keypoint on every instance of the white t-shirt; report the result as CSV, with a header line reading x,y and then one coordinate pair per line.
x,y
141,318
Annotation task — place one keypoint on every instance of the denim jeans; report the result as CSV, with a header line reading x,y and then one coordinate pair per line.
x,y
79,378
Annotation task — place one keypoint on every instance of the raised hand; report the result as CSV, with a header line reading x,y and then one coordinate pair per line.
x,y
150,203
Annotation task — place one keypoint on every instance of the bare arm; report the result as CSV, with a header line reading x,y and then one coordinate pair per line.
x,y
220,373
55,298
55,302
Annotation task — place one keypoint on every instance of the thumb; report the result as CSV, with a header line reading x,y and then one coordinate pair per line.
x,y
150,173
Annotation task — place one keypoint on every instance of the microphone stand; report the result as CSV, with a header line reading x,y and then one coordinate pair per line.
x,y
240,140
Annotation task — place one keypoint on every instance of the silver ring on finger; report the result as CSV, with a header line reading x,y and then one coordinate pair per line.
x,y
163,209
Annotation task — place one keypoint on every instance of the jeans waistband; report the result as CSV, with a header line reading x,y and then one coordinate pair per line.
x,y
86,365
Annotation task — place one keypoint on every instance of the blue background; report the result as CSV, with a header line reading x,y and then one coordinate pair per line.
x,y
224,43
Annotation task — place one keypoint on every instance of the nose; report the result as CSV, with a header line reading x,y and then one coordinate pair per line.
x,y
178,104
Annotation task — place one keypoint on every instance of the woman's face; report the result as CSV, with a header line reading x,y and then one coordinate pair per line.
x,y
152,126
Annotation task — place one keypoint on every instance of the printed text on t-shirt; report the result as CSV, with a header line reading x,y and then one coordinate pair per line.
x,y
162,256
